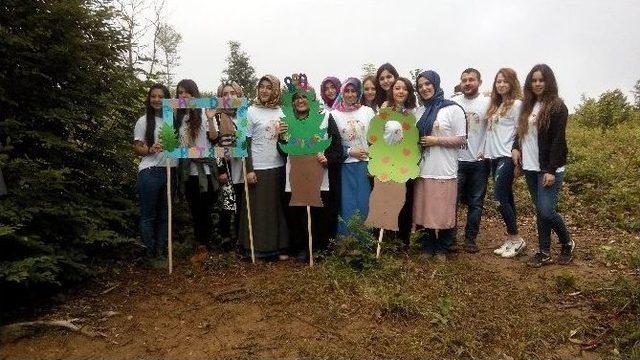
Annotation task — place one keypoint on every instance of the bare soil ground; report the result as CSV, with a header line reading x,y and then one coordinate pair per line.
x,y
471,306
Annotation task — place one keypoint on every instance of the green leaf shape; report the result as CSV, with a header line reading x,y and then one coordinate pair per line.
x,y
397,162
304,137
168,137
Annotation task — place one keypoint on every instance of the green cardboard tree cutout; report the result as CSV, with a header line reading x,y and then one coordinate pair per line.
x,y
304,140
392,163
168,137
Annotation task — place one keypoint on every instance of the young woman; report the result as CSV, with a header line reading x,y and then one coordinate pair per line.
x,y
502,117
230,170
403,99
324,220
386,76
369,92
329,88
541,149
442,129
152,174
265,175
197,177
352,120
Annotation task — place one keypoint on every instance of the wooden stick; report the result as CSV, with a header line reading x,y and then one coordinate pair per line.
x,y
169,219
246,198
379,243
310,236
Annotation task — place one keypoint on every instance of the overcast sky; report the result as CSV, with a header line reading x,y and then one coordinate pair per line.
x,y
592,46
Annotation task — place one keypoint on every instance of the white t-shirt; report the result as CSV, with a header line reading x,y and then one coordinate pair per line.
x,y
529,146
475,110
263,131
325,175
201,141
353,127
156,159
439,162
501,132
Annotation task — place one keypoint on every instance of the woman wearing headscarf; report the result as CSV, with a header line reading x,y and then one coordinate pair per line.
x,y
324,220
352,120
442,129
329,88
265,174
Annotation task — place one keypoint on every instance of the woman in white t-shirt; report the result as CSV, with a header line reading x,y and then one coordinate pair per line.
x,y
442,129
541,149
152,174
502,118
197,177
352,120
265,175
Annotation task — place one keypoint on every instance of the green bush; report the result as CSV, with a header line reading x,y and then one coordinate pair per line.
x,y
67,107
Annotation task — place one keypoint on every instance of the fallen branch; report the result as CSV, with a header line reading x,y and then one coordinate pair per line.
x,y
12,332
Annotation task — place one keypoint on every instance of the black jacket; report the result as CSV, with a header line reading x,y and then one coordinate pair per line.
x,y
552,142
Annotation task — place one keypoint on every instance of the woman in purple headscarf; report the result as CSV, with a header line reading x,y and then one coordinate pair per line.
x,y
352,120
329,88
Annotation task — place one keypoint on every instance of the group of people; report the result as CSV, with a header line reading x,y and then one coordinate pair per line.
x,y
464,141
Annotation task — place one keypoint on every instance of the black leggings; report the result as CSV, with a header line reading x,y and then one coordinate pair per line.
x,y
201,208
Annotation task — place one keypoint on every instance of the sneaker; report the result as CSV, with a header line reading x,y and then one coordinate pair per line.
x,y
566,253
514,250
502,248
540,259
441,256
283,257
471,248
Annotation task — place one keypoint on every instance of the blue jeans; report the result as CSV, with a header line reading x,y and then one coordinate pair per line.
x,y
545,200
502,170
356,188
472,186
152,187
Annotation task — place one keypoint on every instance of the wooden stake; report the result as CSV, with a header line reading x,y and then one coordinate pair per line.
x,y
379,243
246,197
310,236
169,219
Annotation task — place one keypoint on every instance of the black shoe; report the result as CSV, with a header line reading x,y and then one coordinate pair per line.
x,y
540,259
471,248
566,253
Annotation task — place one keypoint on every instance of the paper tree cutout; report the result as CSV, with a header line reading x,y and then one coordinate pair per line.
x,y
396,162
241,104
304,137
168,137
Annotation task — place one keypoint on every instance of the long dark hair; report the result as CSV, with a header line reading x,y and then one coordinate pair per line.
x,y
381,95
149,133
550,100
410,102
195,118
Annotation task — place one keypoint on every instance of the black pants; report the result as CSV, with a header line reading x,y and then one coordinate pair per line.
x,y
201,208
324,222
229,216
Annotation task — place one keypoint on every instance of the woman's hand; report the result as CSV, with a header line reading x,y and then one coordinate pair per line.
x,y
223,178
428,140
282,128
548,180
252,178
210,113
155,148
358,153
516,157
322,159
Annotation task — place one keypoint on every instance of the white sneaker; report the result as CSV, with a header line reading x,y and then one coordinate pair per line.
x,y
501,249
515,249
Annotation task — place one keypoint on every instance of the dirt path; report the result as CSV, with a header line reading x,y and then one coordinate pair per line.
x,y
472,306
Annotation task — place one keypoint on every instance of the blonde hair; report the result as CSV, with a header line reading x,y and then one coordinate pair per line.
x,y
499,105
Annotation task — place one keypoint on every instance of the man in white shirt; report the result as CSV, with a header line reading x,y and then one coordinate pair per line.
x,y
473,170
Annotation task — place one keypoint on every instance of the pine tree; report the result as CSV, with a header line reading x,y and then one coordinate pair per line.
x,y
239,69
168,137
